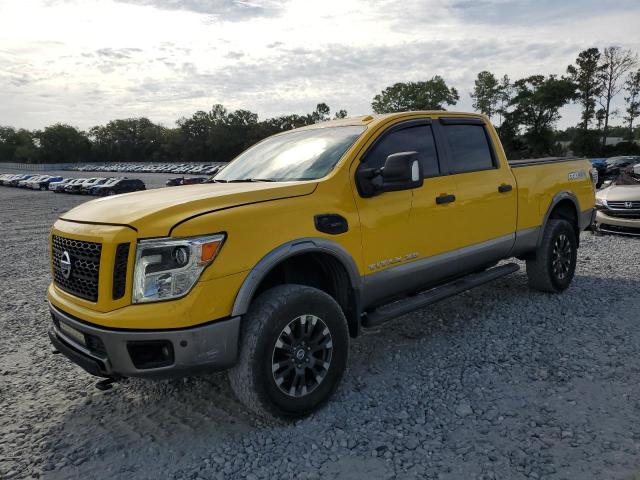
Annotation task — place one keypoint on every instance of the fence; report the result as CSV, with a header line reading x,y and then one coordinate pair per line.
x,y
34,167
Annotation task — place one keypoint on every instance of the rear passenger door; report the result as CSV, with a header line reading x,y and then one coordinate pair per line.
x,y
485,196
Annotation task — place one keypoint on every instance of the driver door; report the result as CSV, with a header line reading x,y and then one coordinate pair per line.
x,y
393,236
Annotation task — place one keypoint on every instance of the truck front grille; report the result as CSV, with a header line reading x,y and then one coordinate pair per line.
x,y
120,270
81,279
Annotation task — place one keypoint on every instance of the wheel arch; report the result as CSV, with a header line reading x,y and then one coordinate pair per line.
x,y
337,266
564,205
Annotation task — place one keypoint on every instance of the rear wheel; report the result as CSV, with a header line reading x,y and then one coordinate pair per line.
x,y
554,265
293,352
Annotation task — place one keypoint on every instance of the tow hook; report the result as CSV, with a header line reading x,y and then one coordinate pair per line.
x,y
106,384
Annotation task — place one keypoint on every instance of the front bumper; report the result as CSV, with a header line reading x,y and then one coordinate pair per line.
x,y
620,225
112,353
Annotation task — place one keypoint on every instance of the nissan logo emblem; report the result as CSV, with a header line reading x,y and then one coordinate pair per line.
x,y
65,265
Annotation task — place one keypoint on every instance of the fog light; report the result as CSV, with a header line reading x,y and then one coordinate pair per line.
x,y
151,354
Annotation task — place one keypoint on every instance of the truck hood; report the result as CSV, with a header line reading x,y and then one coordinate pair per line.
x,y
154,212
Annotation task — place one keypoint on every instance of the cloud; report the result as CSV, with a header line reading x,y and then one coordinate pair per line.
x,y
170,58
529,12
234,55
118,54
229,10
108,59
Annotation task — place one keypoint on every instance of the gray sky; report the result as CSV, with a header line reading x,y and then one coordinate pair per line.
x,y
85,62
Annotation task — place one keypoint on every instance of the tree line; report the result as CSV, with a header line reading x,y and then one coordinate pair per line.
x,y
525,112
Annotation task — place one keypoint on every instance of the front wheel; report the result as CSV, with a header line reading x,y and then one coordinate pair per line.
x,y
554,265
293,352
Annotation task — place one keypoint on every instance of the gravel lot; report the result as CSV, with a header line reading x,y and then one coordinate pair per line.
x,y
501,382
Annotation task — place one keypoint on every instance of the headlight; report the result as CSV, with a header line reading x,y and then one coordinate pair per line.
x,y
599,202
169,268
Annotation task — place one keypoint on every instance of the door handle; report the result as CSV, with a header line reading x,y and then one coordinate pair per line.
x,y
445,199
504,188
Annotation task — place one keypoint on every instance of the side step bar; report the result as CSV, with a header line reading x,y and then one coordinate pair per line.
x,y
396,309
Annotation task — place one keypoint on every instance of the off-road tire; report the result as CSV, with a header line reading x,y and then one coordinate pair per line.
x,y
252,379
541,272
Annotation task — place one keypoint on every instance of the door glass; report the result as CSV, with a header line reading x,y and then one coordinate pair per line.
x,y
469,148
418,138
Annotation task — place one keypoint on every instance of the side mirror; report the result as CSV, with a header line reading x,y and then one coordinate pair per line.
x,y
401,171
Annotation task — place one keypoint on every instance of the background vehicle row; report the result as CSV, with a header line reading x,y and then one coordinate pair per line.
x,y
100,186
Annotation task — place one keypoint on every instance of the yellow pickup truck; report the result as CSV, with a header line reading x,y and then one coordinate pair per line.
x,y
303,240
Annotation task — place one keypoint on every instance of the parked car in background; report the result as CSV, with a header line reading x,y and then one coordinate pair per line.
x,y
618,205
75,181
25,182
95,189
123,185
44,184
6,177
19,178
59,186
614,165
77,187
33,180
85,188
174,182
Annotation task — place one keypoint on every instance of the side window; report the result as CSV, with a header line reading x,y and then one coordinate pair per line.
x,y
469,147
418,138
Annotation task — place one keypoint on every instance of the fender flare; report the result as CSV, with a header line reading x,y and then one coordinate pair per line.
x,y
288,250
557,198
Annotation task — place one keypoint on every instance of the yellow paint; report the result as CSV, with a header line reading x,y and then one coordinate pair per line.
x,y
258,217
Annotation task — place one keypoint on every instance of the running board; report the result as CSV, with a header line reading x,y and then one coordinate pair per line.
x,y
415,302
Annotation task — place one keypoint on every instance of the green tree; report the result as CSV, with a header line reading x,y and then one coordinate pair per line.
x,y
341,114
506,91
321,113
18,146
62,143
486,94
632,99
129,140
535,109
615,62
587,74
432,94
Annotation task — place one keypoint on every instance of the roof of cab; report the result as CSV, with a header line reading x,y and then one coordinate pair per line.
x,y
376,118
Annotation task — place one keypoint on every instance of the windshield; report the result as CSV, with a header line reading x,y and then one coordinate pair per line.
x,y
629,176
297,155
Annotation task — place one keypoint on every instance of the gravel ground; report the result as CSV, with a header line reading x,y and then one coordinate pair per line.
x,y
500,382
